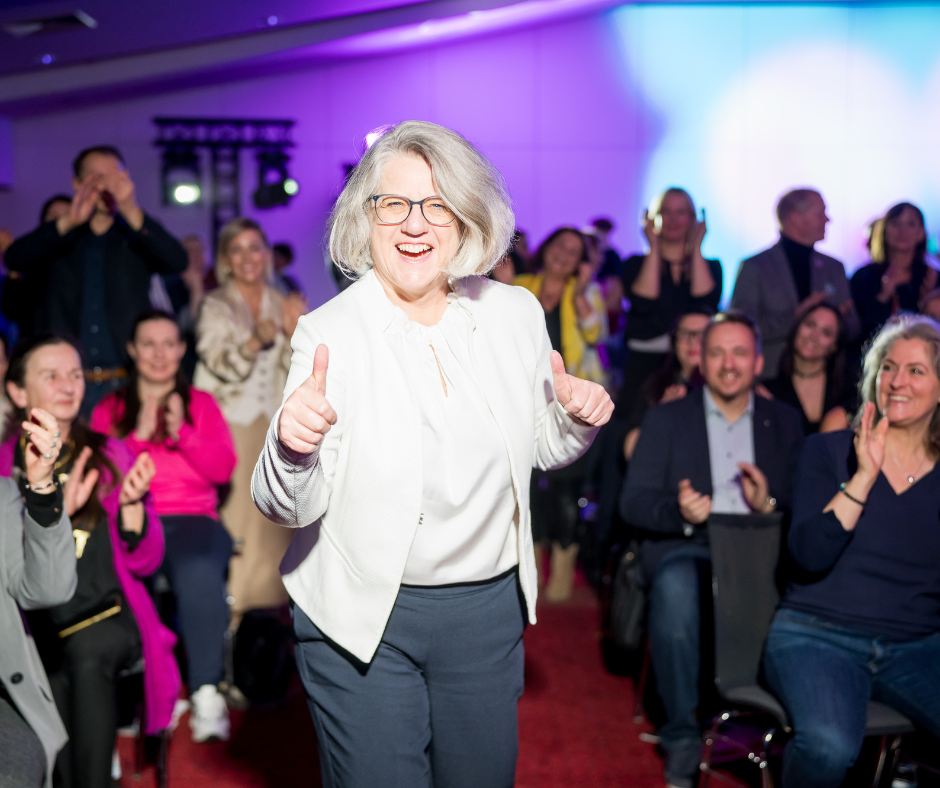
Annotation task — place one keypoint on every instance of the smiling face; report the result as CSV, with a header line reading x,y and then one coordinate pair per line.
x,y
689,342
817,335
410,258
248,257
53,381
904,232
908,387
157,351
730,361
563,254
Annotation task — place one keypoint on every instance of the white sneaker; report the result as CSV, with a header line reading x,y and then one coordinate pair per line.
x,y
209,718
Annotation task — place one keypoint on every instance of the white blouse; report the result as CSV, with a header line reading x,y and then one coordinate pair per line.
x,y
466,531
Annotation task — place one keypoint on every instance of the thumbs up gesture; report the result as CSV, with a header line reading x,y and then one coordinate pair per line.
x,y
586,401
307,415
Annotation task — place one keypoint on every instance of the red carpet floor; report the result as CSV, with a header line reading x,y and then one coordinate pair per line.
x,y
575,722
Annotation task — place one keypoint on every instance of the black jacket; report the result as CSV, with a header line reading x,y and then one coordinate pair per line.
x,y
673,445
52,265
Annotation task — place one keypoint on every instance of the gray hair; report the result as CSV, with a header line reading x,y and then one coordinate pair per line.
x,y
793,201
903,326
468,183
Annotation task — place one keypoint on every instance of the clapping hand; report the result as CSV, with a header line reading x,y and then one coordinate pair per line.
x,y
588,402
293,307
82,206
756,488
174,415
870,443
44,443
649,230
694,507
307,416
133,489
697,234
80,483
147,419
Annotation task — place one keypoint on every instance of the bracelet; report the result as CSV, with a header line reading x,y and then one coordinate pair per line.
x,y
51,484
849,495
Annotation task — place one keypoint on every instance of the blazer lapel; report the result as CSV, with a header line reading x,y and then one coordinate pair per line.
x,y
696,441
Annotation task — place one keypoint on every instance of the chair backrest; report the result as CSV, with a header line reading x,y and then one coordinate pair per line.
x,y
745,551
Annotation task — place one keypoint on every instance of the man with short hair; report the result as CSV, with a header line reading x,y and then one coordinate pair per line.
x,y
780,284
96,261
719,450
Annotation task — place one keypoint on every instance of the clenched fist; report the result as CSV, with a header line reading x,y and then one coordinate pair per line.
x,y
586,401
307,416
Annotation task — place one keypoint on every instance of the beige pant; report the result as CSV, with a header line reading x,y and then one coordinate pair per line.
x,y
254,580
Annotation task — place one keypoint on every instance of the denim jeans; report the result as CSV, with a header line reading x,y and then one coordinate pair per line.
x,y
675,622
824,675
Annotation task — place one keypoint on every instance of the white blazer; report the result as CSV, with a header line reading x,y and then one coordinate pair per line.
x,y
357,503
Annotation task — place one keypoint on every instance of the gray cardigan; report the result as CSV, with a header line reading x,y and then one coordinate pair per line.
x,y
37,569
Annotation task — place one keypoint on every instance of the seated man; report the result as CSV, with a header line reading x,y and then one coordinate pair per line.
x,y
720,449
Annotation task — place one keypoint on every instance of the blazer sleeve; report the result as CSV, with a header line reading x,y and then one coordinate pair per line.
x,y
559,438
40,561
647,501
294,489
162,253
38,248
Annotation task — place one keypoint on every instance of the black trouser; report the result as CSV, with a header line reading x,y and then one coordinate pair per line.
x,y
84,685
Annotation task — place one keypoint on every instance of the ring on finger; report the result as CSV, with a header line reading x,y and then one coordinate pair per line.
x,y
48,455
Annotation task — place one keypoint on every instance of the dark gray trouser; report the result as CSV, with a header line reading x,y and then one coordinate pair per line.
x,y
436,706
22,758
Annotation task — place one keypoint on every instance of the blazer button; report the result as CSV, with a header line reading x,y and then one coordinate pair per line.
x,y
16,678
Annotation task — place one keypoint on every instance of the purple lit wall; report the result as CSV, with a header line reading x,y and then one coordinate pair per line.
x,y
584,117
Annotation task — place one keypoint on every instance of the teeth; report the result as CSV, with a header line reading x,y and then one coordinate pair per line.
x,y
413,248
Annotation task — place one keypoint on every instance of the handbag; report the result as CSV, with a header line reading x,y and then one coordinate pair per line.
x,y
628,601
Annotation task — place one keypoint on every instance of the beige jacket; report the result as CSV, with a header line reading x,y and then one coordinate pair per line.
x,y
245,388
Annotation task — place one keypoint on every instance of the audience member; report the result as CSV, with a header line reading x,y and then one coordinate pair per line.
x,y
670,279
679,374
243,342
283,258
111,621
781,283
601,228
862,619
96,262
812,376
37,570
721,449
182,430
575,319
898,276
412,567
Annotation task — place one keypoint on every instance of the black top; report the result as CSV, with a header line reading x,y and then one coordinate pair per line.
x,y
798,258
650,318
553,325
883,577
56,265
865,286
782,389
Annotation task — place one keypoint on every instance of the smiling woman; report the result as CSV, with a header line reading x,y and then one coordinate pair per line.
x,y
864,538
407,474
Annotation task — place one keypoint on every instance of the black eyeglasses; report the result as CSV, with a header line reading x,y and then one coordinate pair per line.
x,y
395,209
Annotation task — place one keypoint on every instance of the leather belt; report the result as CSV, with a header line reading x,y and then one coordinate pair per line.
x,y
87,622
104,374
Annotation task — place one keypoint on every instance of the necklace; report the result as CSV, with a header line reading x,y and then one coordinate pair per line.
x,y
809,375
440,369
911,477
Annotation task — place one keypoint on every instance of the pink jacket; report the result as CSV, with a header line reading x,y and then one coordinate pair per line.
x,y
161,676
188,470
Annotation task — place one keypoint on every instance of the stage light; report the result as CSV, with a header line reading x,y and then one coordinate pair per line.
x,y
275,186
181,177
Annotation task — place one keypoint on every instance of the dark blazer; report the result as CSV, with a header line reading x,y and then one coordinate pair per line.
x,y
765,291
52,263
673,445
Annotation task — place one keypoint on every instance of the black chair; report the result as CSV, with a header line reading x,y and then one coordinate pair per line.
x,y
745,552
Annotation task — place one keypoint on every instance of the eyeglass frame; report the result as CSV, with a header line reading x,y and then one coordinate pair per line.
x,y
411,204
